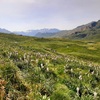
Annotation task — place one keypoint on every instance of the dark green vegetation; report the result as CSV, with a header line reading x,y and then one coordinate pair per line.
x,y
48,69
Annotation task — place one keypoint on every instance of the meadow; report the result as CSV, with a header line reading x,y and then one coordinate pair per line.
x,y
49,69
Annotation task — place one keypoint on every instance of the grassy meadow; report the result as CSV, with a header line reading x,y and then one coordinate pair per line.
x,y
49,69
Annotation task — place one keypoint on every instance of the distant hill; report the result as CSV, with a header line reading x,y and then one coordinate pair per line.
x,y
4,31
88,31
39,33
47,32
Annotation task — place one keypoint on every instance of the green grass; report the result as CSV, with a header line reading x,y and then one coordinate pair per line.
x,y
42,69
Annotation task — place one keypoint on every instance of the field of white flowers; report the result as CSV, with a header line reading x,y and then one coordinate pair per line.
x,y
48,69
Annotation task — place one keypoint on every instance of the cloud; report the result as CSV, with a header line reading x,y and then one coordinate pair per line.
x,y
64,14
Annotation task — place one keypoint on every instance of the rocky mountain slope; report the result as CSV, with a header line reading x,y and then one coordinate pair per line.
x,y
90,30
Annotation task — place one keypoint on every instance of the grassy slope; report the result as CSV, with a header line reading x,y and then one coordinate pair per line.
x,y
23,78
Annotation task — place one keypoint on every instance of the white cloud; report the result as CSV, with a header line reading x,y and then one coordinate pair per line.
x,y
47,13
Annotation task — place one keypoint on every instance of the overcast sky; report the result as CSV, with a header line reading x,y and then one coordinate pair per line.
x,y
21,15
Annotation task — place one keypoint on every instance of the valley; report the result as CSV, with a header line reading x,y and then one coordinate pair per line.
x,y
49,68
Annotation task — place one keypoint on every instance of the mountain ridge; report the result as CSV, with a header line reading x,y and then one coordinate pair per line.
x,y
86,31
82,31
2,30
38,32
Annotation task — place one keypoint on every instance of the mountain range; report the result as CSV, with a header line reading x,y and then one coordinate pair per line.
x,y
39,33
87,31
36,33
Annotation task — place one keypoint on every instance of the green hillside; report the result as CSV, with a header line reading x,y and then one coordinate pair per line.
x,y
49,69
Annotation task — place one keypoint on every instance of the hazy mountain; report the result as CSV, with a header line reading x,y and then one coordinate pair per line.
x,y
4,31
47,32
38,33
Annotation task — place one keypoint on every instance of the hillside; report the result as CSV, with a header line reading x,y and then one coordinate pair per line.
x,y
88,31
48,69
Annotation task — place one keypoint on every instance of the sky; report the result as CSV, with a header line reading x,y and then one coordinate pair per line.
x,y
22,15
